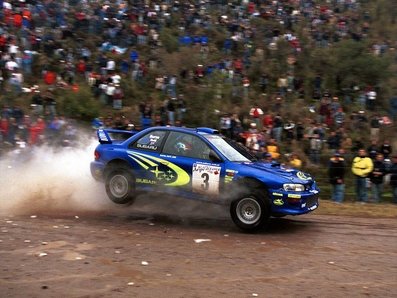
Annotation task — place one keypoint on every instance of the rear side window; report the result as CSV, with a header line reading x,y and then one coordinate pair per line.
x,y
151,141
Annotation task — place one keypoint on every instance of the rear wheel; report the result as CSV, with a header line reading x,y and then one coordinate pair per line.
x,y
120,186
251,211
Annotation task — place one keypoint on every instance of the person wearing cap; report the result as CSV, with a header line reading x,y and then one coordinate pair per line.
x,y
362,166
336,174
393,178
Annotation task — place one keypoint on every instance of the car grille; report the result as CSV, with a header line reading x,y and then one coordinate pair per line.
x,y
311,201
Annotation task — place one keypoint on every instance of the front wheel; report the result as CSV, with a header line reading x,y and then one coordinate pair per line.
x,y
250,212
120,186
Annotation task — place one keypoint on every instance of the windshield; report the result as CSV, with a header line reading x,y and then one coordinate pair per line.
x,y
232,150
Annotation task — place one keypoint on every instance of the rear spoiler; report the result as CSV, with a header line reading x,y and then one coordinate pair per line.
x,y
107,136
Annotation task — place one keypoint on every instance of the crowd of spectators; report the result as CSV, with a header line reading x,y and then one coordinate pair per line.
x,y
20,130
47,45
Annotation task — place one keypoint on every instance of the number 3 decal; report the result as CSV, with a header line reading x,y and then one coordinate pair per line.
x,y
205,184
205,178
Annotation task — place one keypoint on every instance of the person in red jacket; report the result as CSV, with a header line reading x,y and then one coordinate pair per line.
x,y
4,124
36,131
81,67
17,20
49,77
238,65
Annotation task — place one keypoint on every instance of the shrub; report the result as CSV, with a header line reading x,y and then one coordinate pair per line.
x,y
79,104
169,40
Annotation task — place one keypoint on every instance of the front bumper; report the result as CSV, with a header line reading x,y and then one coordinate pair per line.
x,y
293,203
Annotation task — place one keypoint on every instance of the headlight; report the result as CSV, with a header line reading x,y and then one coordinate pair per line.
x,y
293,187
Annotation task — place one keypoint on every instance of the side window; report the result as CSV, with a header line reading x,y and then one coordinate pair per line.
x,y
182,144
152,141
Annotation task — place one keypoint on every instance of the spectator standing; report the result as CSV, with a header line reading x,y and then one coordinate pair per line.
x,y
256,114
373,150
246,84
371,99
393,178
171,111
273,149
146,115
4,125
236,128
37,101
300,129
339,118
375,127
110,89
316,145
324,111
294,161
289,128
49,77
334,105
263,83
36,131
225,124
267,120
333,141
172,86
362,166
110,66
277,128
376,178
282,84
24,128
18,114
180,108
50,104
336,173
393,108
12,131
386,149
118,96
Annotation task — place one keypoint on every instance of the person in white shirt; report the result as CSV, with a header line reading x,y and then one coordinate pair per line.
x,y
110,92
110,65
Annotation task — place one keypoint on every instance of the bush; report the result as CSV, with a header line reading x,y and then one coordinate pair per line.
x,y
79,104
169,40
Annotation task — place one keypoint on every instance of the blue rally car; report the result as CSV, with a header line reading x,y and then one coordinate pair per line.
x,y
200,164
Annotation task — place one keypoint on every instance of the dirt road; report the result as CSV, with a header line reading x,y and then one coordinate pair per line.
x,y
138,252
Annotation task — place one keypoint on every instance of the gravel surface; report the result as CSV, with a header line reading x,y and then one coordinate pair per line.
x,y
144,252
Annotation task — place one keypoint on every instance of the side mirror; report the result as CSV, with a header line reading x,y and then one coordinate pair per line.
x,y
214,157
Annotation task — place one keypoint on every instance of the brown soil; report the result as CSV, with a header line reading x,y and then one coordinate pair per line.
x,y
143,251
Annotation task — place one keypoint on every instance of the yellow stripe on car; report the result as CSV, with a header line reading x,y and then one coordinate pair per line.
x,y
183,178
140,163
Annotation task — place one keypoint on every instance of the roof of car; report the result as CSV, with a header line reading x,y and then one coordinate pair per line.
x,y
203,130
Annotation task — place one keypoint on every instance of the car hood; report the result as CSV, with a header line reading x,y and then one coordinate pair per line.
x,y
274,171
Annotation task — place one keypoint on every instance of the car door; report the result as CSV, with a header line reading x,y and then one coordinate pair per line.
x,y
191,154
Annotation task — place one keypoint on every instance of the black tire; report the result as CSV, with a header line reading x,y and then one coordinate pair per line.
x,y
251,211
120,186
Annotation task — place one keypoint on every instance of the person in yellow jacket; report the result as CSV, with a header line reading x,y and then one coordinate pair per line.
x,y
272,148
362,166
294,161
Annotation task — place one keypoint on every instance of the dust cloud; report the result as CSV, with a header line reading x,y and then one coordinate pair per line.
x,y
46,180
57,182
